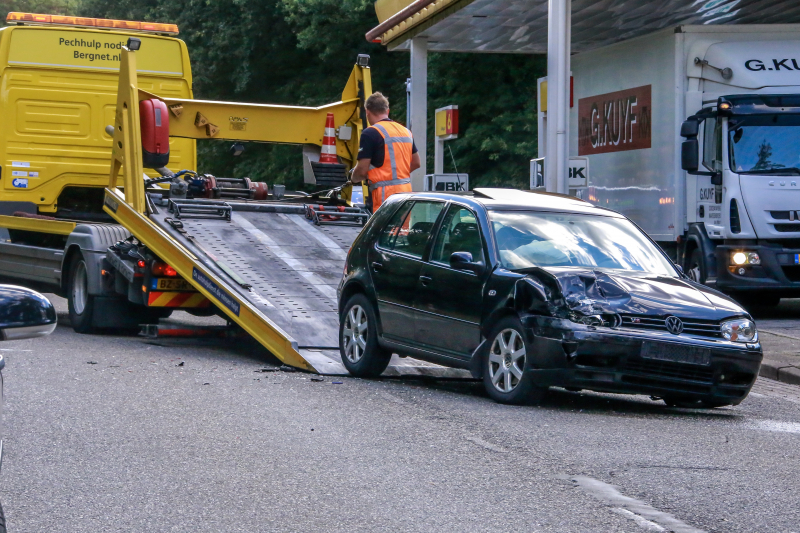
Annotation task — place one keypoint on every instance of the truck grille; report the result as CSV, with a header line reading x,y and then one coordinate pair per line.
x,y
787,228
693,326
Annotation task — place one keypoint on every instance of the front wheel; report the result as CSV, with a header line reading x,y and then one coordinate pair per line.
x,y
79,301
507,374
695,267
361,354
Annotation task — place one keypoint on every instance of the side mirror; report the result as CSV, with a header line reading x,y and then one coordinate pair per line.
x,y
463,261
690,128
24,314
690,154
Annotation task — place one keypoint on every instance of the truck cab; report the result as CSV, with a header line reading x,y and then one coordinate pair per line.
x,y
743,170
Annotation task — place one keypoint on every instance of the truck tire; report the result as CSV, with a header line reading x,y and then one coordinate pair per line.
x,y
80,302
695,267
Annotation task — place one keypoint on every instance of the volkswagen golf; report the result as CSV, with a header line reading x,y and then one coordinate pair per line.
x,y
531,290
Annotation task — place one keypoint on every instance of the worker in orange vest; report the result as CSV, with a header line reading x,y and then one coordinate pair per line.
x,y
386,154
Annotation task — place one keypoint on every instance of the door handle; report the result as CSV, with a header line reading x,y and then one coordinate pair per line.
x,y
425,280
377,266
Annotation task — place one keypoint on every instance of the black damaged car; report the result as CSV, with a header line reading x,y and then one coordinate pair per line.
x,y
531,290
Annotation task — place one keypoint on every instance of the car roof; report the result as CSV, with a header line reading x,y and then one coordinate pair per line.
x,y
497,199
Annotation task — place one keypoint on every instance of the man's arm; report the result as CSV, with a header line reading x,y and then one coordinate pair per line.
x,y
415,163
361,170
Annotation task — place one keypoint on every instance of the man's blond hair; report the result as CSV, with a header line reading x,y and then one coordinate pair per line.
x,y
377,104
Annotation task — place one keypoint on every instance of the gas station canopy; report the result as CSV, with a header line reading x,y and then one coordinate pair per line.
x,y
520,26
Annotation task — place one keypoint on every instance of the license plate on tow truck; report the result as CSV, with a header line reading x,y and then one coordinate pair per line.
x,y
676,353
169,284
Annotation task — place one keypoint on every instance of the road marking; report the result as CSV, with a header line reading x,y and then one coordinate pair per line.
x,y
647,525
643,514
777,425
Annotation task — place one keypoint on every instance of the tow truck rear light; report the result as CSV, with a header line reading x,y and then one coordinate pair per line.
x,y
163,269
140,264
85,22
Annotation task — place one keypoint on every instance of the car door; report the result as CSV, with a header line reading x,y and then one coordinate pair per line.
x,y
395,261
449,302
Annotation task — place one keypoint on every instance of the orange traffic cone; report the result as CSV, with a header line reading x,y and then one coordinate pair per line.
x,y
328,154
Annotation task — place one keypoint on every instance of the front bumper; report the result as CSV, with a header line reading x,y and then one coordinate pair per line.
x,y
610,360
777,271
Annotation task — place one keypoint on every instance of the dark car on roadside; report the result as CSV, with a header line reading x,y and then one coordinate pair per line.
x,y
24,314
531,290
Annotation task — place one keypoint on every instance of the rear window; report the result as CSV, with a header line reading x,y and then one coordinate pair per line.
x,y
100,51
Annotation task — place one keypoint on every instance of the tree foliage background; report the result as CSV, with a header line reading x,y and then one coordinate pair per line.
x,y
301,51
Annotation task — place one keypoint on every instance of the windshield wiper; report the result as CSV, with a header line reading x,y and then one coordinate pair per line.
x,y
790,171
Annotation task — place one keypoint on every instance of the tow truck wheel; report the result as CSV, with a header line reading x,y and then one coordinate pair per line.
x,y
695,268
361,354
80,302
506,374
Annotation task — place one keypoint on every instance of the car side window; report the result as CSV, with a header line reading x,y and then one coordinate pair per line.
x,y
459,233
410,233
393,227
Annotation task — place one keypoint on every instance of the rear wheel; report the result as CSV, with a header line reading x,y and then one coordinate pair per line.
x,y
361,354
507,376
79,302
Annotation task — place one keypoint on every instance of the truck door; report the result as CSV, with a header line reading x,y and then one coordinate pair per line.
x,y
395,262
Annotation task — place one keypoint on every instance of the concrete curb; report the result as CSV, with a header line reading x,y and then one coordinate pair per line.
x,y
779,371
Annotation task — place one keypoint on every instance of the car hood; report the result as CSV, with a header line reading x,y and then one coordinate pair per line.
x,y
592,291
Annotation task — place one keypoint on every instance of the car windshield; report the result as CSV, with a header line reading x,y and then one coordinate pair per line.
x,y
533,239
768,144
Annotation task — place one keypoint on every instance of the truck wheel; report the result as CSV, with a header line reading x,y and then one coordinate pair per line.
x,y
80,302
506,373
695,267
361,354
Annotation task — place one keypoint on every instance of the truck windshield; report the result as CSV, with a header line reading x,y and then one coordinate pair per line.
x,y
768,144
533,239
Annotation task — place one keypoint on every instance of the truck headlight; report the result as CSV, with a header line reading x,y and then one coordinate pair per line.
x,y
745,258
739,330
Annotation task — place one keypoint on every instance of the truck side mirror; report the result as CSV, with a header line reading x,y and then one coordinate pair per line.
x,y
690,128
690,154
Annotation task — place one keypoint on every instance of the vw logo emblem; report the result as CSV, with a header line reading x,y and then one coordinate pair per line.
x,y
674,325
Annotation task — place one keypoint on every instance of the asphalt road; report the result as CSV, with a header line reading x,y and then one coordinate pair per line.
x,y
110,433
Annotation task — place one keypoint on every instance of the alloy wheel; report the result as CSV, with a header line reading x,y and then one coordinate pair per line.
x,y
354,333
507,360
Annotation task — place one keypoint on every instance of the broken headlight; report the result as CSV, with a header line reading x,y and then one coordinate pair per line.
x,y
608,320
739,330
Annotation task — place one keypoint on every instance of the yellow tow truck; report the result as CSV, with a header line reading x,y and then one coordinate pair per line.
x,y
169,239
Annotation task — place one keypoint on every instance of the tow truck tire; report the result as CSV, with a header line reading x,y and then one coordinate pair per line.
x,y
695,267
507,375
362,356
80,302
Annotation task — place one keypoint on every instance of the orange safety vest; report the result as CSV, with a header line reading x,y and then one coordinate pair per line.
x,y
394,175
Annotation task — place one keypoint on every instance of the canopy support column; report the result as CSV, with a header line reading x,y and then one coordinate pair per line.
x,y
419,107
558,69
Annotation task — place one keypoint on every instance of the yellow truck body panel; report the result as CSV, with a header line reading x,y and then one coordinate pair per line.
x,y
58,92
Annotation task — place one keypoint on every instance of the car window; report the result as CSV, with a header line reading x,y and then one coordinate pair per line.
x,y
410,233
393,227
459,233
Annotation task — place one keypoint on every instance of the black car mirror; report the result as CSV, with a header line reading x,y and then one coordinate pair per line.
x,y
24,314
463,261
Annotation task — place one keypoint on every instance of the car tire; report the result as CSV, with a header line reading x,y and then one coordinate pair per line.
x,y
79,302
695,267
361,354
506,373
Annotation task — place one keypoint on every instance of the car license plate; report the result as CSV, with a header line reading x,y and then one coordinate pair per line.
x,y
676,353
166,284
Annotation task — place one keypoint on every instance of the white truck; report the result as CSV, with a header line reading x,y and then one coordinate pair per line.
x,y
694,133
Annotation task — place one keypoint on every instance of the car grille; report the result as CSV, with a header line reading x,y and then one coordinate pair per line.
x,y
693,326
669,370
